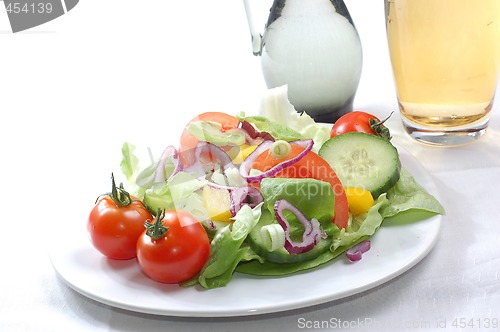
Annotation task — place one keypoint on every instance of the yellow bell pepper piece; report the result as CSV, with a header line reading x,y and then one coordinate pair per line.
x,y
244,152
359,199
217,203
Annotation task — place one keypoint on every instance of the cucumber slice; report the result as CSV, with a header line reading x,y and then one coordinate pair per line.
x,y
281,255
363,160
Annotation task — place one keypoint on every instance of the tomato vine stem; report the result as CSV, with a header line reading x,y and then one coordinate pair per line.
x,y
118,194
379,128
156,230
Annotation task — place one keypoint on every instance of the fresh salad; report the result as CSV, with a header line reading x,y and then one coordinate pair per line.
x,y
269,195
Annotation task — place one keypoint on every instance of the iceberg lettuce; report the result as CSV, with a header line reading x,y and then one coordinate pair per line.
x,y
278,117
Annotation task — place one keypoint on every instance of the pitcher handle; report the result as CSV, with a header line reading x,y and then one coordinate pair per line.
x,y
256,35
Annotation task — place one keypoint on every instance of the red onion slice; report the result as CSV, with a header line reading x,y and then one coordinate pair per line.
x,y
240,196
216,156
312,228
356,252
155,173
250,196
169,152
219,186
247,163
253,135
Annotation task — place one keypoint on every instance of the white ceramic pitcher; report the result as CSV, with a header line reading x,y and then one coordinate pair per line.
x,y
313,47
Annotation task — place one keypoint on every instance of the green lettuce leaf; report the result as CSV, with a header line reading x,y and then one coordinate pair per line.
x,y
227,249
360,229
212,132
274,128
408,195
130,163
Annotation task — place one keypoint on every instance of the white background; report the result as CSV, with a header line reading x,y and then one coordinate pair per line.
x,y
72,90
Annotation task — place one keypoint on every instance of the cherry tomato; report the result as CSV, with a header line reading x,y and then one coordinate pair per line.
x,y
311,166
116,222
188,142
359,122
174,248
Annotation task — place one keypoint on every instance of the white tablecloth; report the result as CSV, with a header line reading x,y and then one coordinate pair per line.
x,y
72,90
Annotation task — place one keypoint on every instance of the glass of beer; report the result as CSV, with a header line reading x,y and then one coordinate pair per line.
x,y
445,57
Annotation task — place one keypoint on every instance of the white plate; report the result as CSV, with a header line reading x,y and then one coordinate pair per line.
x,y
394,250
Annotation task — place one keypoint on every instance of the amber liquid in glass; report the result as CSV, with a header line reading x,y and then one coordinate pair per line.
x,y
445,56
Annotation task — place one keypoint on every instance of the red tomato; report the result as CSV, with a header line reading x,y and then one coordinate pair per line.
x,y
188,142
174,248
311,166
359,122
115,223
